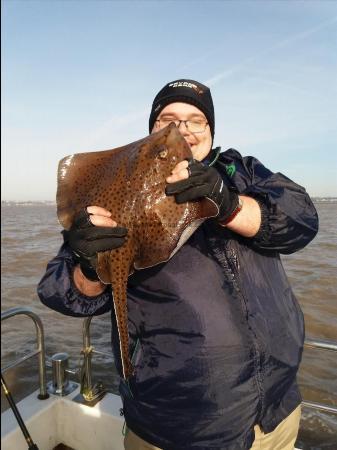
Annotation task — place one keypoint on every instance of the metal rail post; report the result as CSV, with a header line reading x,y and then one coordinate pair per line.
x,y
40,346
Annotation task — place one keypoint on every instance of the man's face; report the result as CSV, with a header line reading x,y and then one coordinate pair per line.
x,y
200,143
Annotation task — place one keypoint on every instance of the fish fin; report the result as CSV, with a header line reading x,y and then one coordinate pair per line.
x,y
77,180
103,267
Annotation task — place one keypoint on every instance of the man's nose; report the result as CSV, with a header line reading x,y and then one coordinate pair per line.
x,y
183,128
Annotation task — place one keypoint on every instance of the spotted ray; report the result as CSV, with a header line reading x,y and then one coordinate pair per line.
x,y
130,182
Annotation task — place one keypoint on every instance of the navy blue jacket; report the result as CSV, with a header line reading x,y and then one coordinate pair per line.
x,y
216,333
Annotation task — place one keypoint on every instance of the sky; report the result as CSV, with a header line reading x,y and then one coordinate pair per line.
x,y
81,76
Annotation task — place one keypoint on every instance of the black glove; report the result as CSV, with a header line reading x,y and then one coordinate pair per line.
x,y
205,181
86,240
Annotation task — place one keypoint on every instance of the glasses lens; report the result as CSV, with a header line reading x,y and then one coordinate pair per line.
x,y
192,125
165,122
195,127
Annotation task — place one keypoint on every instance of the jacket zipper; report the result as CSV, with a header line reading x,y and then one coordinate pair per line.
x,y
232,266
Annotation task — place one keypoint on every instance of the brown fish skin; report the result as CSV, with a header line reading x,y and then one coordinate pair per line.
x,y
130,182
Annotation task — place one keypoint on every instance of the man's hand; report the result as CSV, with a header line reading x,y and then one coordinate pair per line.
x,y
93,231
191,180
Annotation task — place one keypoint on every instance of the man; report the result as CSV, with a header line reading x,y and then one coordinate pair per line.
x,y
216,334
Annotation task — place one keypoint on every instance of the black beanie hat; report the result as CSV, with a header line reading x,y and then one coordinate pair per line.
x,y
185,91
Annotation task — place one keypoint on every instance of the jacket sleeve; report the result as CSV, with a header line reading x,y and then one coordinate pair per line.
x,y
289,218
57,290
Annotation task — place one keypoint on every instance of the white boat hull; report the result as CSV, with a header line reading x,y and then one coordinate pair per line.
x,y
61,420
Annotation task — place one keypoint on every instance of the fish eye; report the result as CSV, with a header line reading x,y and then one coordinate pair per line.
x,y
163,153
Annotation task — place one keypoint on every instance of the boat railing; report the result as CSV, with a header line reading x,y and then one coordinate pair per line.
x,y
90,392
320,344
88,350
40,351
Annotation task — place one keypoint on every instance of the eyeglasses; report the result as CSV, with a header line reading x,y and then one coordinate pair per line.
x,y
194,126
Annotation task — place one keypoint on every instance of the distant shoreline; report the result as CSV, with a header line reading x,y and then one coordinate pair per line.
x,y
53,202
27,203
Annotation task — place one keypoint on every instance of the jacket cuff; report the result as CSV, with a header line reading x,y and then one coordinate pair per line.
x,y
264,233
84,305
